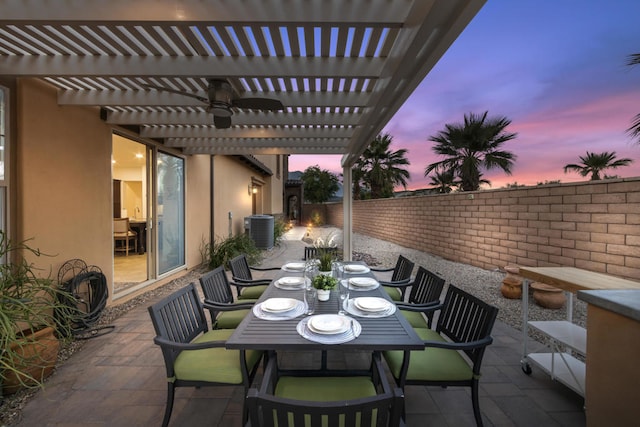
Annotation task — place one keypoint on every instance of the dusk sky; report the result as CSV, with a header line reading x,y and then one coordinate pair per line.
x,y
556,69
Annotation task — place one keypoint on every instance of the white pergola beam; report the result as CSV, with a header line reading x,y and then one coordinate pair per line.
x,y
319,150
241,133
288,143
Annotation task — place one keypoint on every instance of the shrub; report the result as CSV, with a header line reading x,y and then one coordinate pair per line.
x,y
221,251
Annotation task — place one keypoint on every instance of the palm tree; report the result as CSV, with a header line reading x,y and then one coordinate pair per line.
x,y
594,163
634,130
444,181
471,147
383,168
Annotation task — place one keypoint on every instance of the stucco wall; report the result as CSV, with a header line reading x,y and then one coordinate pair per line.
x,y
63,179
589,225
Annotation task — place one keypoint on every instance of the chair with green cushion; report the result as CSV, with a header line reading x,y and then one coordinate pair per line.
x,y
218,299
400,278
327,401
242,279
195,356
463,326
425,292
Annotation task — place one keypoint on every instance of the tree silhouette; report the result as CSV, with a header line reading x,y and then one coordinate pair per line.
x,y
594,163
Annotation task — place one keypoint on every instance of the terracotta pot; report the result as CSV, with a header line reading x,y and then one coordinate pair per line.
x,y
547,296
41,354
512,284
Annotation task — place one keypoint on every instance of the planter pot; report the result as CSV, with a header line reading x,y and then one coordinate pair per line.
x,y
323,295
41,353
512,284
547,296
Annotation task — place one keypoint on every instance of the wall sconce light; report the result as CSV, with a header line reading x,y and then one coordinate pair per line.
x,y
252,189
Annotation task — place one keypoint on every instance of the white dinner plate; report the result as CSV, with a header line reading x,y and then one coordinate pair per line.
x,y
363,282
356,268
290,282
294,266
371,304
278,305
328,324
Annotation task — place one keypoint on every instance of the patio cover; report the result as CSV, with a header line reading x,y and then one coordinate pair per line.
x,y
341,68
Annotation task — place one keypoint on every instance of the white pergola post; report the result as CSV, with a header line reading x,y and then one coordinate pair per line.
x,y
347,227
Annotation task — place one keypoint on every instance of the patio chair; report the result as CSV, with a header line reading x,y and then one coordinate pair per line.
x,y
425,292
218,299
463,326
397,286
193,355
242,279
324,401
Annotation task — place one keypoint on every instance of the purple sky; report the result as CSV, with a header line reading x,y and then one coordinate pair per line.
x,y
556,69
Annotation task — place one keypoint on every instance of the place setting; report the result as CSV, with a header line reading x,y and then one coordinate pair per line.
x,y
372,307
291,283
329,328
279,309
360,283
355,269
294,267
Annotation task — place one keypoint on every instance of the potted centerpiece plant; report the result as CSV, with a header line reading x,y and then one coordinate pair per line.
x,y
326,253
324,284
31,318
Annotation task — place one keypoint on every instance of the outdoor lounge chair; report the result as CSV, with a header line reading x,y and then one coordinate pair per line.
x,y
193,355
242,279
397,286
425,292
325,401
218,299
464,325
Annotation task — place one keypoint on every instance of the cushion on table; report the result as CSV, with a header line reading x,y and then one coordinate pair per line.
x,y
324,389
213,364
252,292
430,364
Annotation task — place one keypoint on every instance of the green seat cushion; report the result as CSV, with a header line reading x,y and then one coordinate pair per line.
x,y
217,365
325,389
252,292
230,319
394,293
431,364
415,319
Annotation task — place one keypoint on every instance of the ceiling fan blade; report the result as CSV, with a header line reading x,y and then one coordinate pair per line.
x,y
179,92
258,104
222,122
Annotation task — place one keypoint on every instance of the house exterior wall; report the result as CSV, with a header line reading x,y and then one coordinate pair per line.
x,y
589,225
62,186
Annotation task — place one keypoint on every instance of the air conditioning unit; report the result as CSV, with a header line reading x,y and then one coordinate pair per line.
x,y
260,229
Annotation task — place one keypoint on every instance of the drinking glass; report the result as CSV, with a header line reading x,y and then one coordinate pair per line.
x,y
344,296
310,297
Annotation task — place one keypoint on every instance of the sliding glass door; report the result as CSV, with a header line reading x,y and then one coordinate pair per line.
x,y
170,212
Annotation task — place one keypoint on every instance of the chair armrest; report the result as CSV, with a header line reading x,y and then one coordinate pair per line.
x,y
425,308
163,342
264,268
236,281
381,269
460,345
211,305
396,284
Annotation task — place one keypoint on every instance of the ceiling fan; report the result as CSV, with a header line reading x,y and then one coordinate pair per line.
x,y
221,98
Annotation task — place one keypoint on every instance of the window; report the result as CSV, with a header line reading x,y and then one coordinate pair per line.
x,y
4,131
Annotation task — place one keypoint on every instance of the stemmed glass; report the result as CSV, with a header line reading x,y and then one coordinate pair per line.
x,y
343,291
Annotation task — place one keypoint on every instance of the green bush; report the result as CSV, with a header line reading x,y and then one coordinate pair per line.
x,y
279,228
221,251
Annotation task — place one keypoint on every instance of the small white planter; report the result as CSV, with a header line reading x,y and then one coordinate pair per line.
x,y
323,294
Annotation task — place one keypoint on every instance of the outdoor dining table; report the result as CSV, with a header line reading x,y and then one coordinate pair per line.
x,y
392,332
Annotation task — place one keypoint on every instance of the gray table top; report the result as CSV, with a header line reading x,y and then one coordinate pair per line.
x,y
388,333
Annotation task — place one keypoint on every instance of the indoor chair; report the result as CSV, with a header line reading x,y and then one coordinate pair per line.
x,y
122,233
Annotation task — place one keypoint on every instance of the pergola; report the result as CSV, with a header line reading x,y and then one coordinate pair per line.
x,y
341,68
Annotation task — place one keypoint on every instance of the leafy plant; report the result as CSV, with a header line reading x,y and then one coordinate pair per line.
x,y
221,251
324,282
28,303
326,251
326,258
279,228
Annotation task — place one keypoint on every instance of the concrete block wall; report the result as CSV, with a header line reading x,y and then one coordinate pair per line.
x,y
589,225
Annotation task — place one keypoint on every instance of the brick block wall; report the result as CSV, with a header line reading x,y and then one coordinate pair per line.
x,y
589,225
